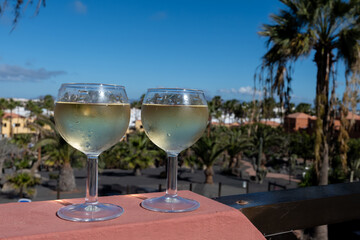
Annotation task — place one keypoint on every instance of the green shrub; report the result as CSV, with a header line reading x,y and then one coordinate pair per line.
x,y
25,183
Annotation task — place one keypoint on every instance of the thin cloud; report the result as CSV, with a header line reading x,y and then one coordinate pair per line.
x,y
241,91
80,7
158,16
29,63
19,74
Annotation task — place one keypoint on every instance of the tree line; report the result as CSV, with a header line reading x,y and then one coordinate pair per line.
x,y
267,148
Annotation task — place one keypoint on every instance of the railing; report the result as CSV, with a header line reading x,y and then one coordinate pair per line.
x,y
212,221
274,186
282,211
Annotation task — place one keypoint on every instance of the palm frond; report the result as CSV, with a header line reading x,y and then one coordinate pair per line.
x,y
44,142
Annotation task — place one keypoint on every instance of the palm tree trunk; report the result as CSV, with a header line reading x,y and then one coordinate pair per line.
x,y
209,173
232,162
324,170
21,191
67,178
209,125
137,171
324,61
1,124
36,165
2,160
351,175
238,160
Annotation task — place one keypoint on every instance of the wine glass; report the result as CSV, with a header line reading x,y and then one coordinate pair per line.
x,y
173,119
91,117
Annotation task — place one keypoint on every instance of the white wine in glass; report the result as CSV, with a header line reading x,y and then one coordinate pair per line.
x,y
91,128
173,119
91,118
174,128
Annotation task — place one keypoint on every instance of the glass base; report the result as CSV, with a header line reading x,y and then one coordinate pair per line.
x,y
170,204
87,212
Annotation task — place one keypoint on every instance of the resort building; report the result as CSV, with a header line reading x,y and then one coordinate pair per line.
x,y
304,122
13,123
298,121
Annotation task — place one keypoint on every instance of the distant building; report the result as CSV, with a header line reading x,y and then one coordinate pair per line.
x,y
304,122
135,115
19,124
355,130
298,121
269,123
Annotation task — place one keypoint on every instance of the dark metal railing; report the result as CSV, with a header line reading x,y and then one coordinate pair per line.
x,y
286,210
274,186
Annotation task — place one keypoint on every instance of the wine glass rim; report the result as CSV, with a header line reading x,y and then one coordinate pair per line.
x,y
174,90
91,84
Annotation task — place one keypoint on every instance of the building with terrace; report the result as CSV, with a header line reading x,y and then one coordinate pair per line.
x,y
13,123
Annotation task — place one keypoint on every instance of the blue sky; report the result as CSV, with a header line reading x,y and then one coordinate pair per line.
x,y
209,45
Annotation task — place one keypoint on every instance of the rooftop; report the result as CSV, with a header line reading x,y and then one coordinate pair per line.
x,y
299,115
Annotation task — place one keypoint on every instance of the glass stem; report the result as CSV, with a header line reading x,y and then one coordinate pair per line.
x,y
92,180
171,184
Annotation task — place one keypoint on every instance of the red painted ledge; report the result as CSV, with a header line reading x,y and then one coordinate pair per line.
x,y
213,220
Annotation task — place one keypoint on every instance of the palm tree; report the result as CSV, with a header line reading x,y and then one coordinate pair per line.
x,y
229,108
208,149
19,8
264,141
236,144
189,159
254,110
330,29
301,144
137,104
47,102
138,155
3,103
6,150
3,106
58,152
353,157
240,111
215,108
304,108
34,108
22,141
267,108
25,182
